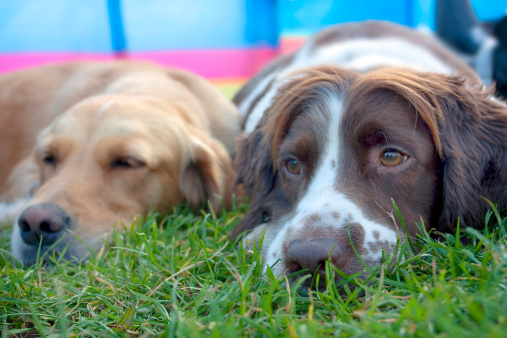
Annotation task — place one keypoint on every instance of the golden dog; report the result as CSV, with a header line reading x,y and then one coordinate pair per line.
x,y
94,144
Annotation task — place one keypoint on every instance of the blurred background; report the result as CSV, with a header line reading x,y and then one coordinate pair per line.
x,y
226,41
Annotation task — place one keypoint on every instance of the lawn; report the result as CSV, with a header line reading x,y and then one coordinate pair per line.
x,y
178,274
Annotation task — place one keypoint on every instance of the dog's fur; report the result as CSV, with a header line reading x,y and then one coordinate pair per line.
x,y
313,155
96,144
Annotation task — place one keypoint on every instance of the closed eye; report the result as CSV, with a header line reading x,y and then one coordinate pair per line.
x,y
127,163
50,159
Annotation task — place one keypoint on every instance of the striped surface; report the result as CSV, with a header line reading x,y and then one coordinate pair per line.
x,y
229,39
233,63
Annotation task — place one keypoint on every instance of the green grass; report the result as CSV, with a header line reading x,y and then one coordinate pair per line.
x,y
178,274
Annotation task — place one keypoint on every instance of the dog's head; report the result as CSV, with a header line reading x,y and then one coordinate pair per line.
x,y
335,147
108,159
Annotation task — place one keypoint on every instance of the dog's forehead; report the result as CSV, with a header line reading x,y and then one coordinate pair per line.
x,y
111,128
321,112
99,117
352,118
307,134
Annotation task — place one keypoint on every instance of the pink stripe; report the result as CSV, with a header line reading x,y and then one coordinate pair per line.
x,y
291,44
208,63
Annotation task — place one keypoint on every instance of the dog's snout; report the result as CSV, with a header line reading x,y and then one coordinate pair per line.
x,y
42,222
311,255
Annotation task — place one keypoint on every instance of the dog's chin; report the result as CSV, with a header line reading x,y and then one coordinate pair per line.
x,y
68,248
309,284
312,283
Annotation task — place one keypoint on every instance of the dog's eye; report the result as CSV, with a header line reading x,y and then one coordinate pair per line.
x,y
126,163
293,166
391,157
265,217
50,159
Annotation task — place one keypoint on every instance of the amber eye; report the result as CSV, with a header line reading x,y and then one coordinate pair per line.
x,y
265,217
293,166
391,158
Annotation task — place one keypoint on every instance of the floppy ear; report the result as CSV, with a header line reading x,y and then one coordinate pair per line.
x,y
222,113
254,170
468,127
208,175
473,131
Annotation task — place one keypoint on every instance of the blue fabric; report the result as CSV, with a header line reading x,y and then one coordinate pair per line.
x,y
308,16
152,25
55,25
118,42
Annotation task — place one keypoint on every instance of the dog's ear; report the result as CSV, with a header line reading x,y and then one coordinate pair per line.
x,y
468,126
474,153
254,172
222,113
208,175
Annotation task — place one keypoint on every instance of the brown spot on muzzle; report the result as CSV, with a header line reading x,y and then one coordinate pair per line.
x,y
377,246
311,220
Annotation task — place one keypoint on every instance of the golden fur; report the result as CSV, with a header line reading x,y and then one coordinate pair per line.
x,y
109,141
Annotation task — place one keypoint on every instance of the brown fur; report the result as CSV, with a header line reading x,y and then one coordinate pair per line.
x,y
469,133
350,31
448,132
458,137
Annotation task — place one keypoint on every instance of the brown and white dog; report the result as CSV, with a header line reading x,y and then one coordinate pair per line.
x,y
325,149
106,142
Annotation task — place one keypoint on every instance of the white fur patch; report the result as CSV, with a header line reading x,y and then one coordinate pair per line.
x,y
17,243
10,211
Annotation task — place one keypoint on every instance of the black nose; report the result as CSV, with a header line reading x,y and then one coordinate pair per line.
x,y
312,255
42,222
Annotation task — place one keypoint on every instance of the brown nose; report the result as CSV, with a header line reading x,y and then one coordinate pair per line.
x,y
312,255
42,222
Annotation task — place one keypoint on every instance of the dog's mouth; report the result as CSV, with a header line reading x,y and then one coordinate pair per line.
x,y
45,232
72,251
321,283
68,248
311,282
318,281
49,256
